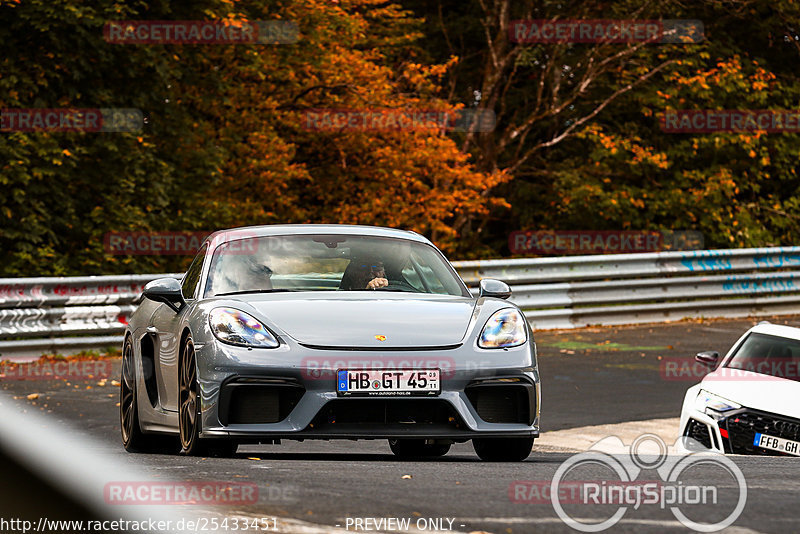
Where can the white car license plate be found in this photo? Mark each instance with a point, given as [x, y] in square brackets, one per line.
[777, 444]
[383, 382]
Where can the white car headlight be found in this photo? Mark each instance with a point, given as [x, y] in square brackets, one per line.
[714, 405]
[506, 328]
[238, 328]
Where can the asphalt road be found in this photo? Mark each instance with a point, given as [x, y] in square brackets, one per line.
[589, 377]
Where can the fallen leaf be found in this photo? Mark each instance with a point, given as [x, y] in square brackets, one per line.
[406, 476]
[33, 396]
[115, 382]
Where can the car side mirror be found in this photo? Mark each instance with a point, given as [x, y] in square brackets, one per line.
[709, 358]
[494, 288]
[166, 290]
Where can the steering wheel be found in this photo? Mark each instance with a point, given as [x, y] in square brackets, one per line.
[398, 285]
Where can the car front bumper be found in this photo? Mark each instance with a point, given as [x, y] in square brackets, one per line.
[734, 431]
[266, 394]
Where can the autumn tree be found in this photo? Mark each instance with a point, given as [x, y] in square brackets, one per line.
[578, 123]
[224, 142]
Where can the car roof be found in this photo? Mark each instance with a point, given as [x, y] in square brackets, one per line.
[777, 330]
[231, 234]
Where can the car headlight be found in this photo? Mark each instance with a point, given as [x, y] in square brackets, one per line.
[505, 328]
[238, 328]
[714, 405]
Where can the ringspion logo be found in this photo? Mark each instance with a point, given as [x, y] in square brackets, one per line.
[588, 503]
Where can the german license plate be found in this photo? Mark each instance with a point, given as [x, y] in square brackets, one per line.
[384, 382]
[777, 444]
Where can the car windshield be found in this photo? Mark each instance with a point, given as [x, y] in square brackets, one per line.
[768, 355]
[330, 263]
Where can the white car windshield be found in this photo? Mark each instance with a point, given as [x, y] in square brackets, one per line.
[329, 263]
[768, 355]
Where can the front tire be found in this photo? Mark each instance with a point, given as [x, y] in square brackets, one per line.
[189, 411]
[502, 449]
[417, 448]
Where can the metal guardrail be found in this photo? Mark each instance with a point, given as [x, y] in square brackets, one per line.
[646, 288]
[46, 309]
[563, 292]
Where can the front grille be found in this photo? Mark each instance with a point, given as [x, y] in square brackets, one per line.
[254, 401]
[417, 412]
[699, 432]
[498, 401]
[742, 428]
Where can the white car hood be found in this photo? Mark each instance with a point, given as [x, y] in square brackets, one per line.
[756, 391]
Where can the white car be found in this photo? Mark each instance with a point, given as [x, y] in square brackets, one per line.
[748, 403]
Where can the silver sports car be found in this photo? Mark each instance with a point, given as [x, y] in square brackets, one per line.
[327, 332]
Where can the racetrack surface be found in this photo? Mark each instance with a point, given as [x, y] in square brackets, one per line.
[590, 378]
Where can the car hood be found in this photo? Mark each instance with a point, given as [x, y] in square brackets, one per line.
[756, 391]
[358, 320]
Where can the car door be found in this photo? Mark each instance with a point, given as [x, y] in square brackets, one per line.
[165, 326]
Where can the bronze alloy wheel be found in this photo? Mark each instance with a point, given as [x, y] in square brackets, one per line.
[189, 411]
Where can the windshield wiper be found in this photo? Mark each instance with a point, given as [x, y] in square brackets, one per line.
[396, 289]
[244, 291]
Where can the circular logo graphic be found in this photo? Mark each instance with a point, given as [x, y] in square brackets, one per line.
[648, 452]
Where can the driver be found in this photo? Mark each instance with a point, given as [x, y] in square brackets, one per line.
[374, 274]
[365, 273]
